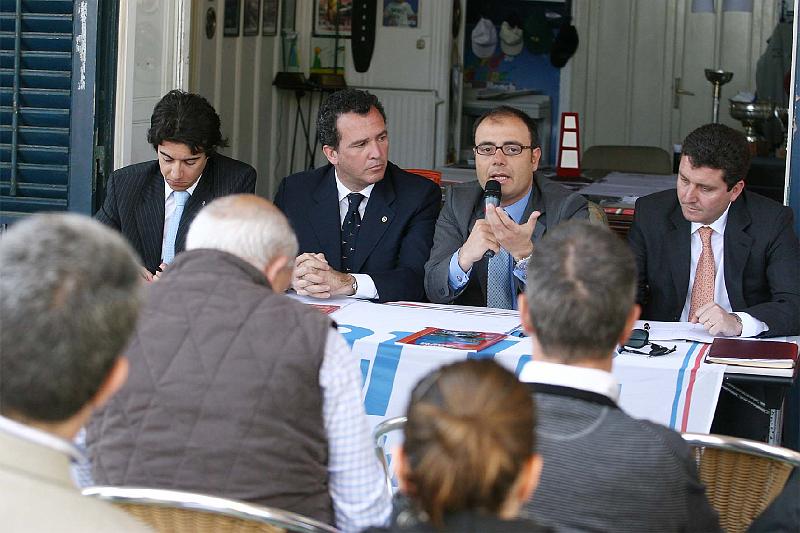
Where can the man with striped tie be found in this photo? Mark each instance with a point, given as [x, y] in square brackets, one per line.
[364, 225]
[153, 203]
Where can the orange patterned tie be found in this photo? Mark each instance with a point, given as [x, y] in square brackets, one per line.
[703, 287]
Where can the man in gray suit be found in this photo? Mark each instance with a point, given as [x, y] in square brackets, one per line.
[603, 470]
[68, 301]
[476, 253]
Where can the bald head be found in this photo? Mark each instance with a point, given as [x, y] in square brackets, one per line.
[246, 226]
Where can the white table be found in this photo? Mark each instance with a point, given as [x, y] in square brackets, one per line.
[677, 390]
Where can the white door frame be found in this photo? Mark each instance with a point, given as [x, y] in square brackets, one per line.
[173, 72]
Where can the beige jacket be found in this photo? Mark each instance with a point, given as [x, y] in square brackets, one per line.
[38, 495]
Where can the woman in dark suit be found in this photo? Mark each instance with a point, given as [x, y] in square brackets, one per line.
[468, 460]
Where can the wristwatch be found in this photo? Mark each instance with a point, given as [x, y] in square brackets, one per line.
[739, 320]
[355, 285]
[522, 264]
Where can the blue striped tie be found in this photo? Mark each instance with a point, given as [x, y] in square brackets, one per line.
[168, 253]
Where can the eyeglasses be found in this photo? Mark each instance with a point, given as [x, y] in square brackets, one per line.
[639, 339]
[508, 149]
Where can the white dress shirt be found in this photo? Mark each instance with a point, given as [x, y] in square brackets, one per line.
[574, 377]
[169, 205]
[366, 286]
[356, 481]
[751, 326]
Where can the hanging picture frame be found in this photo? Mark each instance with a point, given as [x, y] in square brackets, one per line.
[326, 13]
[252, 17]
[400, 13]
[231, 20]
[269, 18]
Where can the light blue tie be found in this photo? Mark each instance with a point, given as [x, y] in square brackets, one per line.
[498, 285]
[168, 253]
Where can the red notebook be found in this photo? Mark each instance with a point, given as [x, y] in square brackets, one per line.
[450, 338]
[764, 354]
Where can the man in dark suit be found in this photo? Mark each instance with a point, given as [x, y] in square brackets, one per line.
[603, 470]
[364, 226]
[459, 270]
[752, 284]
[153, 203]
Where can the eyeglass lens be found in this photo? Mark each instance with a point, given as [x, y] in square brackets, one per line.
[490, 149]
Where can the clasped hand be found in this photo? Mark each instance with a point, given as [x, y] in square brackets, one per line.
[497, 230]
[313, 276]
[717, 321]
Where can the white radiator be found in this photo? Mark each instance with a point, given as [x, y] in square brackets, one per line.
[411, 121]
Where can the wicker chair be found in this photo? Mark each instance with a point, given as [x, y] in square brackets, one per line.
[388, 425]
[741, 476]
[185, 512]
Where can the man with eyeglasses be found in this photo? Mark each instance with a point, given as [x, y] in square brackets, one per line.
[480, 254]
[364, 225]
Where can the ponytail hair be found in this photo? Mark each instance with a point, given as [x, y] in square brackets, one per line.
[470, 431]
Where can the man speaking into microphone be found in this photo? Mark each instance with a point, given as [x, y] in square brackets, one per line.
[481, 246]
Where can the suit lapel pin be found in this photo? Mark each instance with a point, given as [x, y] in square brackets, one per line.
[203, 204]
[384, 219]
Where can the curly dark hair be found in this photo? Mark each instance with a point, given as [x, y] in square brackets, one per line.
[719, 147]
[506, 111]
[188, 119]
[336, 105]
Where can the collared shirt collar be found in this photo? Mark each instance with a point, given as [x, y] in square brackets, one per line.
[40, 437]
[718, 225]
[517, 209]
[574, 377]
[344, 191]
[168, 190]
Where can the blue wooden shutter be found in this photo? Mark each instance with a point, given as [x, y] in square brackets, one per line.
[47, 128]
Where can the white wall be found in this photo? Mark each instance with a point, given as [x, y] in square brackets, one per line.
[235, 74]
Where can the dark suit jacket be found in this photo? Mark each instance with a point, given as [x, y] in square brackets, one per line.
[761, 260]
[463, 205]
[606, 471]
[396, 232]
[134, 202]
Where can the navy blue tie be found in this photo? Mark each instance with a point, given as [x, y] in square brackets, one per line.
[352, 221]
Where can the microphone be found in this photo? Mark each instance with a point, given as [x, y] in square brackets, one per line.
[491, 196]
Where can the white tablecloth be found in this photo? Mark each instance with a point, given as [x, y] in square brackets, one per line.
[677, 390]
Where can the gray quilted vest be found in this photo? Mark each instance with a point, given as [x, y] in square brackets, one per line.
[223, 394]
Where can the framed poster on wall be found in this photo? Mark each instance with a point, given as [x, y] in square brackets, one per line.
[251, 17]
[269, 19]
[231, 22]
[332, 14]
[400, 13]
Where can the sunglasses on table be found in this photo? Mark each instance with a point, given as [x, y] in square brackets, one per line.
[639, 339]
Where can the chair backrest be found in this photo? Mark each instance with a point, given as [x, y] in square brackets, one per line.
[741, 476]
[186, 512]
[642, 159]
[433, 175]
[379, 433]
[597, 214]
